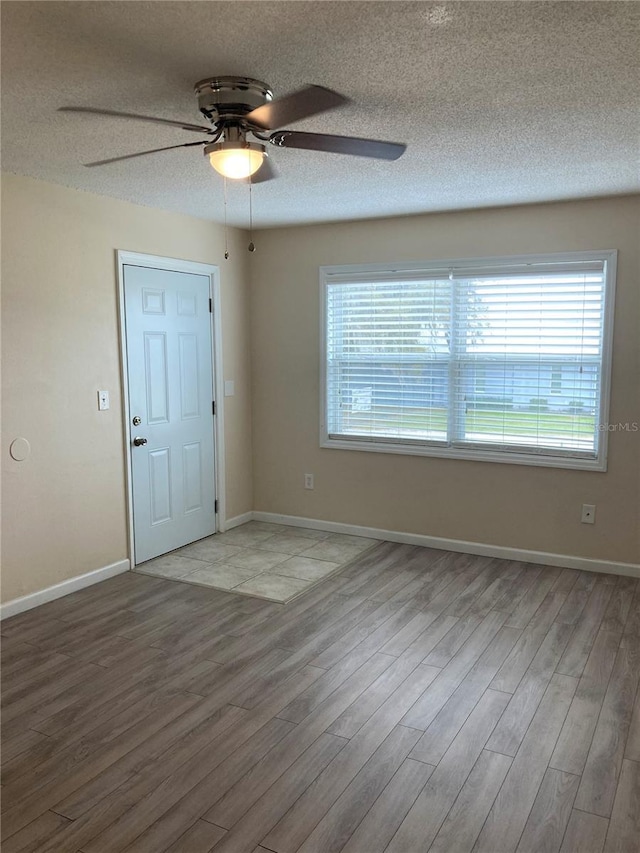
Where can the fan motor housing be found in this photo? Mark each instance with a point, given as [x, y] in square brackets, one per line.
[231, 97]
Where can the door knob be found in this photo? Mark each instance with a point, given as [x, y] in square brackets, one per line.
[139, 442]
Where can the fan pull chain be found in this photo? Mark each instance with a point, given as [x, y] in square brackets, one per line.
[251, 246]
[226, 241]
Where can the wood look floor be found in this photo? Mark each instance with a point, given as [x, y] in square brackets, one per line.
[418, 701]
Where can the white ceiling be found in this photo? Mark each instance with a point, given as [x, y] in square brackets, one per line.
[499, 102]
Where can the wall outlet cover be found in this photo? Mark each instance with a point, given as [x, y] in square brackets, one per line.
[588, 514]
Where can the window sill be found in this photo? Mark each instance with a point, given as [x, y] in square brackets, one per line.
[474, 454]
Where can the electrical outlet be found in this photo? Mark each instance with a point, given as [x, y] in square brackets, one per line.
[308, 481]
[588, 514]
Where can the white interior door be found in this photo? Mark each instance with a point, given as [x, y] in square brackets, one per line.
[170, 378]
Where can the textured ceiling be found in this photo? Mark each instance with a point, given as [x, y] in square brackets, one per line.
[499, 102]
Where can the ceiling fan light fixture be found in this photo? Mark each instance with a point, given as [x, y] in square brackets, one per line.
[235, 159]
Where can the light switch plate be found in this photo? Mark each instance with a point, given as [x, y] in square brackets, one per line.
[103, 401]
[229, 388]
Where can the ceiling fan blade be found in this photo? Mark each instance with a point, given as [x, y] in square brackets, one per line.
[338, 144]
[144, 153]
[266, 172]
[298, 105]
[197, 128]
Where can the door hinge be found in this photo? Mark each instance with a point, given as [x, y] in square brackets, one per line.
[215, 506]
[213, 407]
[210, 306]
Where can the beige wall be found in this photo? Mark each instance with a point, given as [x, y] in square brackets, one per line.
[502, 504]
[64, 509]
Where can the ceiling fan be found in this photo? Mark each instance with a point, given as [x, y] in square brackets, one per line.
[241, 108]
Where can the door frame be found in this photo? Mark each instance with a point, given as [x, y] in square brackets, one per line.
[212, 272]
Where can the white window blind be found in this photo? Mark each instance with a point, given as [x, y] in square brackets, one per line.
[503, 360]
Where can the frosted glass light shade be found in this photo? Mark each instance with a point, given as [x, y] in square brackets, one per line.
[236, 161]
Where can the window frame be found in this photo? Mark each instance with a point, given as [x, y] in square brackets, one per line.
[449, 451]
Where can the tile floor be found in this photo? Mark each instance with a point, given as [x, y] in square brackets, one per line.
[264, 560]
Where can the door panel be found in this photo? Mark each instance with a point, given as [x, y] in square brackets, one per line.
[192, 464]
[160, 485]
[169, 366]
[156, 379]
[189, 391]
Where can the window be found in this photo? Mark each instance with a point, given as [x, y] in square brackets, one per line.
[501, 359]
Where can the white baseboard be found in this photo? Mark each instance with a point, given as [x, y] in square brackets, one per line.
[18, 605]
[237, 520]
[567, 561]
[34, 599]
